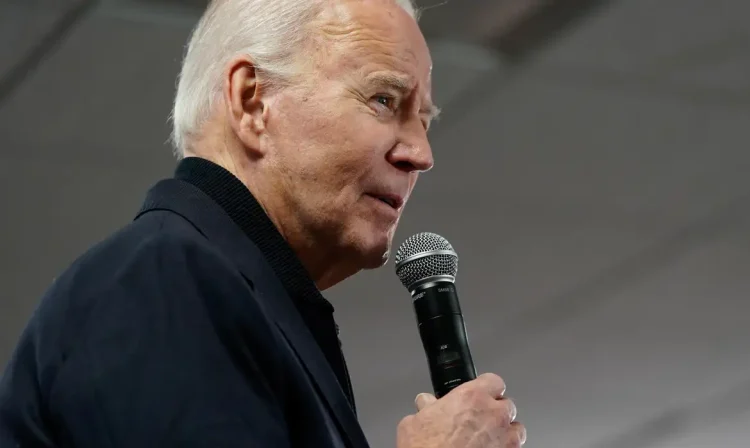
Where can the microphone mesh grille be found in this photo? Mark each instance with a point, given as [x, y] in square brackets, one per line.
[429, 265]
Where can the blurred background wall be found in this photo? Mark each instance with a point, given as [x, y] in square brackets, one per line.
[593, 173]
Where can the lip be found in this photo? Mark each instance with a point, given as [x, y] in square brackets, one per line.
[394, 201]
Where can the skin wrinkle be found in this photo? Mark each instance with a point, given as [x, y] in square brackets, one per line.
[363, 40]
[318, 153]
[325, 160]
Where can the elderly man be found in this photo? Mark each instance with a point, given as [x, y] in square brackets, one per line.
[302, 129]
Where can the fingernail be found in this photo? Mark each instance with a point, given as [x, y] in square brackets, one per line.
[423, 400]
[513, 410]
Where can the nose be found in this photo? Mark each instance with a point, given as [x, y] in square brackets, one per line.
[413, 151]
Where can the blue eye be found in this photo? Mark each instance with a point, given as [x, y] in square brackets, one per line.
[386, 101]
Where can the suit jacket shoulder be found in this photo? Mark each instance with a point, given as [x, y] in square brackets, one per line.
[172, 332]
[151, 336]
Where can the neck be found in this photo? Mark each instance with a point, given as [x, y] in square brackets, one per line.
[322, 264]
[321, 260]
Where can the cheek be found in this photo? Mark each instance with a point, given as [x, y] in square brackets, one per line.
[348, 146]
[332, 145]
[368, 137]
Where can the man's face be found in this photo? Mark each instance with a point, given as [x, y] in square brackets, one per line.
[347, 146]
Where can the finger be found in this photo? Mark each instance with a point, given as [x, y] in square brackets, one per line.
[520, 432]
[424, 400]
[505, 411]
[511, 408]
[492, 384]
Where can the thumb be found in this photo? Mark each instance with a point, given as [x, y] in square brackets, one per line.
[424, 400]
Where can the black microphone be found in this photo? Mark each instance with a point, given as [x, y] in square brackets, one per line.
[427, 266]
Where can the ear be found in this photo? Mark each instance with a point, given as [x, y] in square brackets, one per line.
[245, 103]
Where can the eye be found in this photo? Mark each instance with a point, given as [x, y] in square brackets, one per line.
[387, 101]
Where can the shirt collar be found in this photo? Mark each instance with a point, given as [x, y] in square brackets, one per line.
[237, 200]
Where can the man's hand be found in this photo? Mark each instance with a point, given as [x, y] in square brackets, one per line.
[473, 415]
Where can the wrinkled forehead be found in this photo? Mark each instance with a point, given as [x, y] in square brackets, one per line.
[355, 32]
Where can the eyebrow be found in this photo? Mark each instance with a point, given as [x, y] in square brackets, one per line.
[404, 84]
[432, 112]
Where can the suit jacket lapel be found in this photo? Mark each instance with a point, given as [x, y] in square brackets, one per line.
[188, 201]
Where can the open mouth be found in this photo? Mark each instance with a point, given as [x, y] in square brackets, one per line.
[388, 201]
[393, 202]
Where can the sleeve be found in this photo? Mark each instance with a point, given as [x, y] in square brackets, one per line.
[172, 355]
[22, 419]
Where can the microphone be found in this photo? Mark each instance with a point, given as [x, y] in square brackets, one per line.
[427, 266]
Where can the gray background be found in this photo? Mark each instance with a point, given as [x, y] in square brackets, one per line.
[595, 184]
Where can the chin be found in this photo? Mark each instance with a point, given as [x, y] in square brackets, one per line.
[368, 241]
[376, 261]
[374, 250]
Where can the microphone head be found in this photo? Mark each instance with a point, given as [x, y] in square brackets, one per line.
[425, 257]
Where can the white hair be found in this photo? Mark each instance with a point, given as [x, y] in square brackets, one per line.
[271, 32]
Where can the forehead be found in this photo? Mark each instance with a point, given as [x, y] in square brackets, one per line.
[360, 33]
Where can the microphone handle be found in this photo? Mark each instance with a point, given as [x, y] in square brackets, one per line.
[443, 334]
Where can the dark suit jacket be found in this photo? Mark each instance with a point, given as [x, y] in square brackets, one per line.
[174, 332]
